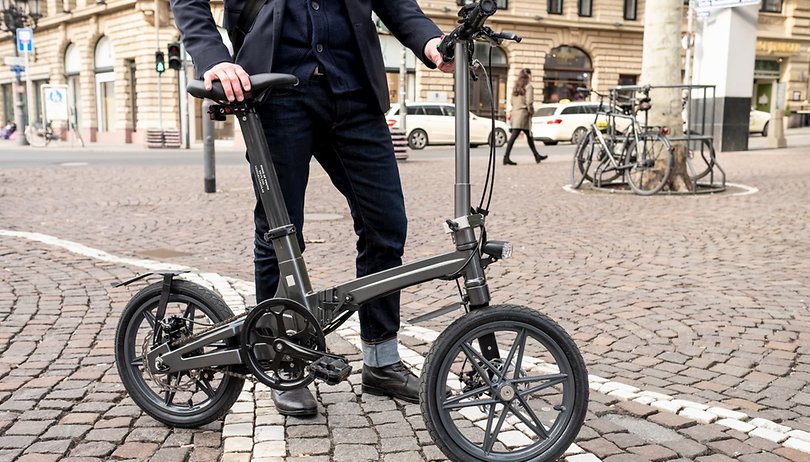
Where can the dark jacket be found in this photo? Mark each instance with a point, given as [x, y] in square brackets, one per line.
[199, 32]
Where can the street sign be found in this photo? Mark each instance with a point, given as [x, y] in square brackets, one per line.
[56, 102]
[14, 61]
[25, 40]
[703, 5]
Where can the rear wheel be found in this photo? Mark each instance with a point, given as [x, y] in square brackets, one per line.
[583, 157]
[418, 139]
[650, 164]
[184, 399]
[506, 384]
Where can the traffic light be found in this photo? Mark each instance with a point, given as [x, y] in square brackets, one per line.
[160, 63]
[175, 62]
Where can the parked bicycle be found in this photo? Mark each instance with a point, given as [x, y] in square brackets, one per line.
[502, 383]
[39, 135]
[640, 155]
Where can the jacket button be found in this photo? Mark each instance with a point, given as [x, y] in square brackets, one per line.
[316, 6]
[319, 48]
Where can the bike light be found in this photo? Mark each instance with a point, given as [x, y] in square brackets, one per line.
[664, 130]
[498, 249]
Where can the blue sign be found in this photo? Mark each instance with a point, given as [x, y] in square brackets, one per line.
[25, 40]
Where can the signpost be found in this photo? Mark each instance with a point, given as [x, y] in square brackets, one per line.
[25, 45]
[55, 102]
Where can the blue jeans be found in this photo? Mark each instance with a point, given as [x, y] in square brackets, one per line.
[349, 137]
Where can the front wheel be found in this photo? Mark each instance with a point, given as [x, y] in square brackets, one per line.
[506, 384]
[583, 157]
[418, 139]
[184, 399]
[37, 135]
[649, 164]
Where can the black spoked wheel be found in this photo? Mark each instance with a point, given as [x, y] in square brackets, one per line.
[583, 157]
[184, 399]
[504, 384]
[650, 164]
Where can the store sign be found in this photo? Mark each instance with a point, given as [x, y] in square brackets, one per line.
[703, 5]
[55, 100]
[773, 46]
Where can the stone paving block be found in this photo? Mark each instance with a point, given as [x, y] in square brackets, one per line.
[398, 444]
[142, 451]
[601, 447]
[38, 458]
[654, 453]
[170, 455]
[50, 447]
[731, 447]
[273, 449]
[93, 449]
[354, 453]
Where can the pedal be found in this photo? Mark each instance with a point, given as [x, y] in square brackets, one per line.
[330, 369]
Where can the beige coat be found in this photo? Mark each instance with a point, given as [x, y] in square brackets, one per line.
[523, 109]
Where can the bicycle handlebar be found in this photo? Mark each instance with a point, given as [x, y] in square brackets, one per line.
[473, 16]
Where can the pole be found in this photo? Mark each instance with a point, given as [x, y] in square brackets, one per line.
[462, 93]
[687, 79]
[403, 82]
[19, 111]
[29, 91]
[184, 119]
[208, 149]
[160, 96]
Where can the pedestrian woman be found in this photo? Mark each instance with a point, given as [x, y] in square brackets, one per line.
[522, 111]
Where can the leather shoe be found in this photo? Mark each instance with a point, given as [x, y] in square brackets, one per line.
[394, 380]
[298, 403]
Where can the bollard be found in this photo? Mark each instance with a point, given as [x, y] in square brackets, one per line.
[208, 149]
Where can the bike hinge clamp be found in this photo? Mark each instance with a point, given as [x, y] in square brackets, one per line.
[219, 112]
[281, 231]
[470, 221]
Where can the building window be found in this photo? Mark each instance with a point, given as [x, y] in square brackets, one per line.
[631, 10]
[566, 69]
[8, 103]
[555, 6]
[771, 6]
[585, 8]
[73, 67]
[105, 84]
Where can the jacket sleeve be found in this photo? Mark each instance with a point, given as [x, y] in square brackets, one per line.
[200, 34]
[409, 25]
[530, 99]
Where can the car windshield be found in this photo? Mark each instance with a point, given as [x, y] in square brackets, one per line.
[545, 111]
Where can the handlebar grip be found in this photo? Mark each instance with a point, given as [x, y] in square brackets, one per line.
[508, 36]
[476, 17]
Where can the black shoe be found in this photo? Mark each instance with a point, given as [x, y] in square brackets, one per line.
[508, 161]
[539, 157]
[298, 403]
[394, 380]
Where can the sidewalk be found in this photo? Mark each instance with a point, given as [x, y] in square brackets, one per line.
[691, 312]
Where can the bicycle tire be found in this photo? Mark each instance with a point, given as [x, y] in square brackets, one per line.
[563, 403]
[583, 156]
[649, 172]
[36, 135]
[128, 346]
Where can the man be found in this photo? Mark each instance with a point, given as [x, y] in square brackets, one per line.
[335, 114]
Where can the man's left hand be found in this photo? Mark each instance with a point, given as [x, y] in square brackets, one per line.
[432, 53]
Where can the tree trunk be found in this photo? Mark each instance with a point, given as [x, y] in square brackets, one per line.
[661, 65]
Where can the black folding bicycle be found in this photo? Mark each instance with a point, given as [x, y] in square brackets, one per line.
[501, 383]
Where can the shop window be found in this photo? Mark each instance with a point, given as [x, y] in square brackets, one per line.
[585, 8]
[628, 79]
[105, 84]
[73, 66]
[631, 10]
[566, 69]
[555, 6]
[771, 6]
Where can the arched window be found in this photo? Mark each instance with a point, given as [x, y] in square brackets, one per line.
[104, 65]
[566, 68]
[73, 67]
[480, 101]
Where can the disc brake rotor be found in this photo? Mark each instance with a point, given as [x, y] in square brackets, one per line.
[277, 320]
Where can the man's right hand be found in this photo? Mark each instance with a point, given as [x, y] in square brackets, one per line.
[235, 81]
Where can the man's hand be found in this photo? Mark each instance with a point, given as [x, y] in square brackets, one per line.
[233, 78]
[432, 53]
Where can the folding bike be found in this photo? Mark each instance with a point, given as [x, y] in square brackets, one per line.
[501, 383]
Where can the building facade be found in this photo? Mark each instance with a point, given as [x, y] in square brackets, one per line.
[105, 52]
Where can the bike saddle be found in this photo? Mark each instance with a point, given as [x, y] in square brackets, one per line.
[259, 84]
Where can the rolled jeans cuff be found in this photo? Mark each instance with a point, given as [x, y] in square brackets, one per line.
[381, 354]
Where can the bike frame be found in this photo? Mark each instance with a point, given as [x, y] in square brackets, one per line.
[334, 302]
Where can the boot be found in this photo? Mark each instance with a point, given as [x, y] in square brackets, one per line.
[508, 161]
[539, 157]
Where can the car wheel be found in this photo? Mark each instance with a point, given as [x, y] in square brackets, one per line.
[500, 137]
[552, 143]
[765, 129]
[417, 139]
[578, 134]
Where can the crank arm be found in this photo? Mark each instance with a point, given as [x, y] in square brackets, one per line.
[163, 360]
[284, 346]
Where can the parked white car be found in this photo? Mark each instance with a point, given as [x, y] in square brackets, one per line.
[557, 122]
[435, 123]
[759, 122]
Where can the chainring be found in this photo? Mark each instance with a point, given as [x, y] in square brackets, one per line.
[280, 319]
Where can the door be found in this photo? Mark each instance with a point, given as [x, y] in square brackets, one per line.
[105, 101]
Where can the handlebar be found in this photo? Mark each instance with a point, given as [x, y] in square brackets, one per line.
[471, 25]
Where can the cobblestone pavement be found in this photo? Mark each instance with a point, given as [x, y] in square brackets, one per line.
[691, 312]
